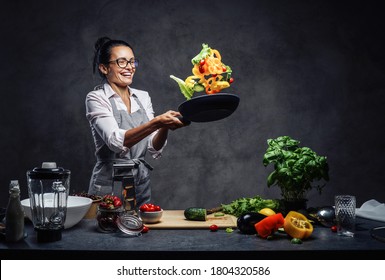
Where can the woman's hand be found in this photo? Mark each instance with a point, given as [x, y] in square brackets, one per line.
[165, 122]
[170, 120]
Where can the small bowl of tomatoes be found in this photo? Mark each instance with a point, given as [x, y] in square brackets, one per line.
[150, 213]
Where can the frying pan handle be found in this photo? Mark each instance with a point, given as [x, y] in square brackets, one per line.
[184, 121]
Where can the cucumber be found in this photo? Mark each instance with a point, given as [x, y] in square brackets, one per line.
[198, 87]
[195, 214]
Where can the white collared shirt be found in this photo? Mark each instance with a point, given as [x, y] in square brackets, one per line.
[105, 129]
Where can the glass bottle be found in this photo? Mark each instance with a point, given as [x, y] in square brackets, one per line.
[14, 227]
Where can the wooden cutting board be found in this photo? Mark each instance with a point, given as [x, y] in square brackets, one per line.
[175, 219]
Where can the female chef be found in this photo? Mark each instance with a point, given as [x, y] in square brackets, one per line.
[122, 120]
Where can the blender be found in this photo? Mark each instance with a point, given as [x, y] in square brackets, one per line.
[48, 189]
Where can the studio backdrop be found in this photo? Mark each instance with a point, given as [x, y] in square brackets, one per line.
[311, 70]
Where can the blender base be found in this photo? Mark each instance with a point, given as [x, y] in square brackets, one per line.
[48, 235]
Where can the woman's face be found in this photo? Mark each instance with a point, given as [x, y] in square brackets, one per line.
[122, 75]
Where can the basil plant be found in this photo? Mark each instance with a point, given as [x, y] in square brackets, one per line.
[295, 168]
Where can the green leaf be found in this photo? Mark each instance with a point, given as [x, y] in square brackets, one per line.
[186, 91]
[205, 52]
[272, 178]
[270, 157]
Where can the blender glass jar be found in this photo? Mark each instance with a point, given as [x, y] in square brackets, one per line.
[48, 189]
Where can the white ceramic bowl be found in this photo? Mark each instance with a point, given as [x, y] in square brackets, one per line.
[77, 207]
[150, 217]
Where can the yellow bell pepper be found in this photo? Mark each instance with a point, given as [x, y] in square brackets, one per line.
[297, 225]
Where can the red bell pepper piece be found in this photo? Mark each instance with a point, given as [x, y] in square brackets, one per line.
[269, 225]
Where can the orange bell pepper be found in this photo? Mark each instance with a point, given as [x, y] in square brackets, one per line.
[269, 225]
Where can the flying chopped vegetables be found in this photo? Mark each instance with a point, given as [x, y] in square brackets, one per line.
[210, 74]
[242, 206]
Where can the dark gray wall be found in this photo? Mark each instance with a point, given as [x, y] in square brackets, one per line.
[313, 70]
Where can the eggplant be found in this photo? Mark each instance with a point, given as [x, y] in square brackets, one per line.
[246, 222]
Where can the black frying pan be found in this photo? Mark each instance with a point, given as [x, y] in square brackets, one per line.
[208, 108]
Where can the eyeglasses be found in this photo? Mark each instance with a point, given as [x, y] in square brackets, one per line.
[122, 62]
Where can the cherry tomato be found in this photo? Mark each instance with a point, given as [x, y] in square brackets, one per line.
[202, 62]
[213, 227]
[231, 80]
[333, 228]
[224, 69]
[145, 229]
[149, 207]
[143, 208]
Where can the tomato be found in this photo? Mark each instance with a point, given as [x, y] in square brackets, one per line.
[149, 207]
[231, 80]
[224, 68]
[213, 227]
[145, 229]
[333, 228]
[202, 62]
[143, 208]
[201, 70]
[117, 203]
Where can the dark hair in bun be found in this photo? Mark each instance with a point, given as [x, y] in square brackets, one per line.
[103, 48]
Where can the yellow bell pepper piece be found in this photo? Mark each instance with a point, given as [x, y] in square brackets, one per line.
[297, 225]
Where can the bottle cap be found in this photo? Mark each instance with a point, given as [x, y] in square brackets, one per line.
[14, 184]
[49, 165]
